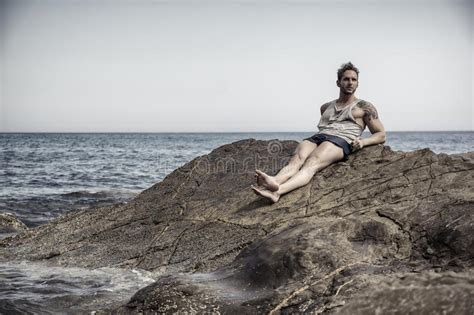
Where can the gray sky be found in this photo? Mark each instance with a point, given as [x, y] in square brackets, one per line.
[192, 66]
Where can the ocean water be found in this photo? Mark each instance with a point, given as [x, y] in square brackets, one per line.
[35, 288]
[45, 175]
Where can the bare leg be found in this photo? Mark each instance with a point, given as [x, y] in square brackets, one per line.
[325, 154]
[272, 183]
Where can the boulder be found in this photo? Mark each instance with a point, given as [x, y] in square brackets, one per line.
[9, 223]
[382, 226]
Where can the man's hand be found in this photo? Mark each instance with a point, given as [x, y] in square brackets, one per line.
[357, 144]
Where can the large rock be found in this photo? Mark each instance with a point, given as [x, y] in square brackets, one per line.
[382, 226]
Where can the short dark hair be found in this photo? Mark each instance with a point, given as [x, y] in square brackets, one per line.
[344, 67]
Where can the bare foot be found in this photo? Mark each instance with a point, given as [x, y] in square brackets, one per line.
[266, 181]
[273, 196]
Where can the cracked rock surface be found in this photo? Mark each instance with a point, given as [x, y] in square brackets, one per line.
[384, 232]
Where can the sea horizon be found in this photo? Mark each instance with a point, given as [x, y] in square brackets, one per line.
[203, 132]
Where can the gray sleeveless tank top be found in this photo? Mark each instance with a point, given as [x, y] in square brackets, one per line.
[340, 123]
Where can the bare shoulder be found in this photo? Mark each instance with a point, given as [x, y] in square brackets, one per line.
[366, 110]
[324, 107]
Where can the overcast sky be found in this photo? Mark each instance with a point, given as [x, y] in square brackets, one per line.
[210, 66]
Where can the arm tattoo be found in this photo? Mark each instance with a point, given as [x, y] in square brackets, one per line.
[369, 110]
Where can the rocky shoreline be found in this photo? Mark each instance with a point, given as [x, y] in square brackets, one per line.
[387, 231]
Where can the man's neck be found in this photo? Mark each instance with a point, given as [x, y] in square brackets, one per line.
[346, 98]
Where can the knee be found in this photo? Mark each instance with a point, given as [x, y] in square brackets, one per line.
[313, 163]
[297, 160]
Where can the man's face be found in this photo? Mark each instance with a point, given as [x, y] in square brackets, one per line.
[349, 82]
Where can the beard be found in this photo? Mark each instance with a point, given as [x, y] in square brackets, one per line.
[348, 92]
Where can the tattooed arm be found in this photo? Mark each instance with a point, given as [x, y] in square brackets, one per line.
[324, 107]
[368, 114]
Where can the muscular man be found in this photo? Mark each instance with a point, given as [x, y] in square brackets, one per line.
[341, 125]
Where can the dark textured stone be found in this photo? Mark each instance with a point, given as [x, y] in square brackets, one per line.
[9, 223]
[426, 293]
[383, 227]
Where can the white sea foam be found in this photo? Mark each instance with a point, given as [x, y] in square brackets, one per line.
[52, 288]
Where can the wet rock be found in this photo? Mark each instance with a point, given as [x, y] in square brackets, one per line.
[350, 235]
[9, 223]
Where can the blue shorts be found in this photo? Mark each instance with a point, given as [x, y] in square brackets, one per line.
[318, 138]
